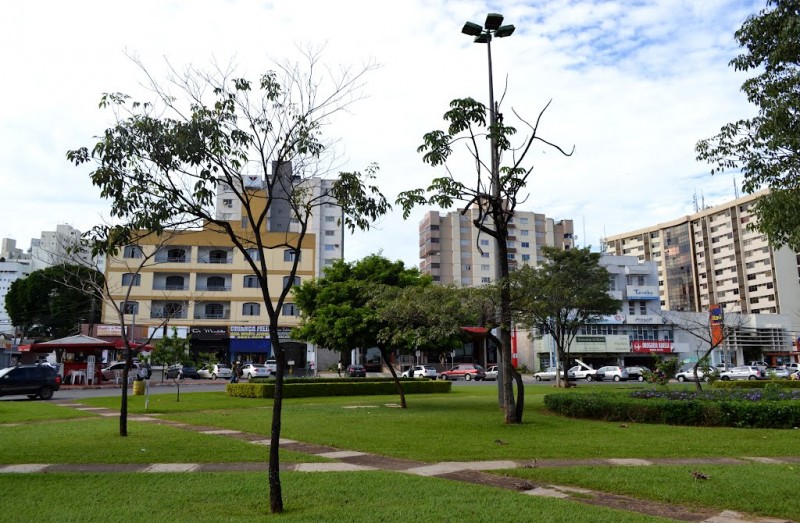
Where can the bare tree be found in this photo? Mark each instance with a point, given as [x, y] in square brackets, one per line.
[259, 144]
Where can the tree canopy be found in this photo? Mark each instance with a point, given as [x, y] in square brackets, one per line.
[53, 302]
[766, 147]
[565, 292]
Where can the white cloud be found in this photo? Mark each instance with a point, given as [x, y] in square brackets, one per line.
[634, 85]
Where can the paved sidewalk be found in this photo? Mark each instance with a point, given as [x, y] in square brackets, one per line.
[468, 472]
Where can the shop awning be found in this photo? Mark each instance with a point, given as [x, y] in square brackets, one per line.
[79, 343]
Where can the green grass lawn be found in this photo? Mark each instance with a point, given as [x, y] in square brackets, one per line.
[765, 490]
[314, 497]
[465, 424]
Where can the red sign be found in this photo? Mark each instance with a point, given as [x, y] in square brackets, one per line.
[651, 346]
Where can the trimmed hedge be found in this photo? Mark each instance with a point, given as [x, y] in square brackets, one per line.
[726, 413]
[756, 384]
[311, 388]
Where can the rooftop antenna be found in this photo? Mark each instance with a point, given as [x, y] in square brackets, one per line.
[735, 188]
[694, 201]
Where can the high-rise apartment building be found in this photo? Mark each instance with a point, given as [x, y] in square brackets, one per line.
[453, 250]
[713, 257]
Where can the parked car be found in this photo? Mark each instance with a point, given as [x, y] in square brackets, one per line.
[468, 371]
[214, 371]
[792, 367]
[688, 375]
[33, 380]
[420, 371]
[255, 370]
[110, 372]
[780, 373]
[581, 372]
[491, 373]
[356, 371]
[181, 371]
[272, 366]
[547, 374]
[611, 372]
[763, 365]
[637, 372]
[746, 372]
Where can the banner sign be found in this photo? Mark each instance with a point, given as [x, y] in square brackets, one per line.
[249, 332]
[651, 346]
[208, 333]
[716, 320]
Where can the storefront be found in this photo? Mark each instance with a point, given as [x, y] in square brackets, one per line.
[212, 339]
[250, 343]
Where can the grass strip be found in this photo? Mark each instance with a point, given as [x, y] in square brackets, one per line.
[331, 497]
[26, 410]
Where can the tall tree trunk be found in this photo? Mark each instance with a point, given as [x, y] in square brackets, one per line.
[397, 384]
[275, 493]
[520, 395]
[123, 409]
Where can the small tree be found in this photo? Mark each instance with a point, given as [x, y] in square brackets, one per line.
[494, 194]
[337, 311]
[164, 163]
[566, 292]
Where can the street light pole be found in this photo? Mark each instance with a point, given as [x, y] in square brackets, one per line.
[491, 28]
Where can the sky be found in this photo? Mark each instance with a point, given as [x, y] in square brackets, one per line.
[632, 85]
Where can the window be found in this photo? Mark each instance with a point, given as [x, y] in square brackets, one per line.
[215, 283]
[330, 233]
[289, 255]
[129, 307]
[525, 245]
[174, 283]
[218, 256]
[296, 281]
[330, 247]
[250, 282]
[631, 308]
[176, 255]
[329, 261]
[466, 267]
[251, 309]
[526, 257]
[132, 251]
[215, 311]
[485, 267]
[485, 279]
[523, 221]
[523, 232]
[484, 242]
[131, 279]
[464, 243]
[484, 255]
[642, 307]
[290, 309]
[244, 223]
[254, 254]
[227, 203]
[330, 219]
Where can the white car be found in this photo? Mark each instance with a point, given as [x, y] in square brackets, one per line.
[547, 374]
[579, 372]
[742, 373]
[611, 372]
[272, 366]
[255, 370]
[491, 373]
[219, 370]
[420, 372]
[688, 375]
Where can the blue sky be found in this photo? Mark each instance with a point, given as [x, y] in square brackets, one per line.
[634, 85]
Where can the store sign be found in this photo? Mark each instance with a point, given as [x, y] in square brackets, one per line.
[636, 292]
[616, 343]
[249, 332]
[611, 319]
[651, 346]
[208, 333]
[108, 330]
[648, 319]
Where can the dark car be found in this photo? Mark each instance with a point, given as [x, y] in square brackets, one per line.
[33, 380]
[468, 371]
[182, 371]
[356, 371]
[637, 372]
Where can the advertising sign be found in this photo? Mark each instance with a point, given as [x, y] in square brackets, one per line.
[108, 330]
[249, 332]
[716, 318]
[637, 292]
[661, 346]
[648, 319]
[208, 333]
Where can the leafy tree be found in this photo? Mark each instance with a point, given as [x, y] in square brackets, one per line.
[339, 310]
[53, 302]
[495, 194]
[164, 163]
[168, 350]
[567, 291]
[766, 147]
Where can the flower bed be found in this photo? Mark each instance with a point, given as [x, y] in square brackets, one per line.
[753, 408]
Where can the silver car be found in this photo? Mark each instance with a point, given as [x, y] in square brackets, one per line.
[220, 370]
[255, 370]
[742, 373]
[547, 374]
[612, 372]
[421, 372]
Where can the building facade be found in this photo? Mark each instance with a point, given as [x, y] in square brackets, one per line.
[713, 257]
[452, 250]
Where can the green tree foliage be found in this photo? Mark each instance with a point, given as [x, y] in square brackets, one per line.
[53, 302]
[766, 147]
[165, 161]
[568, 290]
[494, 193]
[340, 310]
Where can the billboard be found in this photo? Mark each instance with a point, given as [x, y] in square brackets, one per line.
[716, 319]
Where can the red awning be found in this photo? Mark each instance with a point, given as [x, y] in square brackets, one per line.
[119, 343]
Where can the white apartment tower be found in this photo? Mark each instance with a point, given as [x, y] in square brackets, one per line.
[713, 257]
[452, 250]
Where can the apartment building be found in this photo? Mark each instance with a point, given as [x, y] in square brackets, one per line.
[713, 257]
[452, 250]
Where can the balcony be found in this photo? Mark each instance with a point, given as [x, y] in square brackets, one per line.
[213, 288]
[213, 259]
[161, 286]
[225, 315]
[163, 314]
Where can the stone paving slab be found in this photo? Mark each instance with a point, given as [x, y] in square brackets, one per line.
[221, 432]
[341, 454]
[455, 466]
[330, 467]
[768, 461]
[172, 467]
[23, 468]
[630, 462]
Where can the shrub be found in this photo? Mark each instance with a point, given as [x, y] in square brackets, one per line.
[756, 384]
[311, 388]
[754, 409]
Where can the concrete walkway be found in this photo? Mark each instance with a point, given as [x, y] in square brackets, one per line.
[468, 472]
